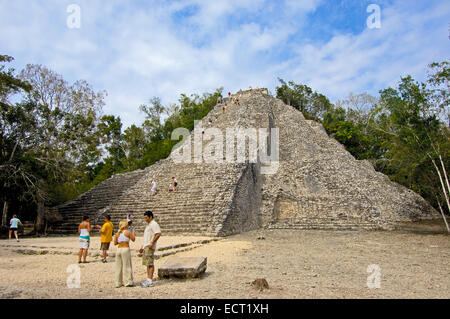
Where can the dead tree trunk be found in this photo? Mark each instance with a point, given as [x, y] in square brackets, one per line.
[5, 214]
[443, 216]
[445, 174]
[40, 217]
[443, 189]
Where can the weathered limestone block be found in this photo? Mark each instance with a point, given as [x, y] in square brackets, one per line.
[286, 208]
[183, 267]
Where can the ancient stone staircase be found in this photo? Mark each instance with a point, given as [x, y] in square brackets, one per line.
[197, 207]
[93, 201]
[324, 223]
[202, 204]
[207, 193]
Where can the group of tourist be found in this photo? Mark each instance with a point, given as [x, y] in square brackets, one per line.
[221, 102]
[125, 234]
[234, 100]
[172, 186]
[210, 122]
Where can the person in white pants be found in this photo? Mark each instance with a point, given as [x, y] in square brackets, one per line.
[123, 267]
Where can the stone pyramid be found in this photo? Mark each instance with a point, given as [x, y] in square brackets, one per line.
[315, 184]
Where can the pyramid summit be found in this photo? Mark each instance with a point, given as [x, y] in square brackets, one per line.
[297, 178]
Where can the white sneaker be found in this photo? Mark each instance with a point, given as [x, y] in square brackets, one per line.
[147, 283]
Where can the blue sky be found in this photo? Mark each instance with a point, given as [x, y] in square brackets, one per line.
[139, 49]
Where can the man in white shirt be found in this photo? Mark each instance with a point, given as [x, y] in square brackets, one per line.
[151, 235]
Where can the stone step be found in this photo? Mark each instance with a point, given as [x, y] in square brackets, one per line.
[158, 254]
[325, 226]
[176, 227]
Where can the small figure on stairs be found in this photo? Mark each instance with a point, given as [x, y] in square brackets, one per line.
[175, 183]
[153, 189]
[170, 187]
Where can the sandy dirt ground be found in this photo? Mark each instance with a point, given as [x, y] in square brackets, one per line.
[296, 264]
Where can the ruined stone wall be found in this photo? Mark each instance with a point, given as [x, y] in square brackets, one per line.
[245, 208]
[318, 178]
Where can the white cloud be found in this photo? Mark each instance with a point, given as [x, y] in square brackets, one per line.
[375, 58]
[137, 52]
[302, 6]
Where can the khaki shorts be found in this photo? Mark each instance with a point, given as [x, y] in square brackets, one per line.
[104, 246]
[148, 256]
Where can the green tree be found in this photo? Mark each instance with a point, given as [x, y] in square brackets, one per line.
[135, 144]
[110, 128]
[312, 104]
[53, 132]
[419, 145]
[153, 124]
[349, 123]
[14, 123]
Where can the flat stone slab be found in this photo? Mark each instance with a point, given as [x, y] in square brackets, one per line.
[183, 267]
